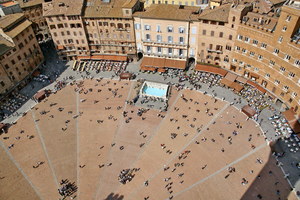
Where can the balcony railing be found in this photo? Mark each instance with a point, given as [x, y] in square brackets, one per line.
[214, 50]
[164, 43]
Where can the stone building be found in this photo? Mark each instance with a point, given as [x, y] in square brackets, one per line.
[201, 3]
[64, 19]
[162, 33]
[20, 54]
[267, 50]
[109, 27]
[33, 11]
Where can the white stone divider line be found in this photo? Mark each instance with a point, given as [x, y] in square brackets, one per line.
[77, 107]
[132, 83]
[44, 146]
[222, 169]
[197, 135]
[18, 166]
[158, 127]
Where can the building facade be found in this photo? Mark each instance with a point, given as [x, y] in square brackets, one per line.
[33, 11]
[20, 54]
[267, 50]
[201, 3]
[162, 31]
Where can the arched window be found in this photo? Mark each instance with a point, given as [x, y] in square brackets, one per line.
[233, 19]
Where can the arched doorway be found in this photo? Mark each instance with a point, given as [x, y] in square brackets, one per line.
[140, 55]
[191, 60]
[40, 37]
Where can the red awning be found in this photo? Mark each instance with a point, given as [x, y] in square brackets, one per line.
[226, 82]
[261, 89]
[84, 57]
[236, 86]
[97, 57]
[148, 69]
[153, 62]
[248, 111]
[177, 64]
[230, 76]
[211, 69]
[241, 79]
[60, 47]
[40, 95]
[290, 117]
[36, 73]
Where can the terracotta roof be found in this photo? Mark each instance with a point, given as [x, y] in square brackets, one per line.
[248, 111]
[220, 13]
[290, 117]
[167, 11]
[18, 29]
[5, 45]
[10, 19]
[30, 3]
[211, 69]
[63, 7]
[260, 20]
[100, 9]
[7, 4]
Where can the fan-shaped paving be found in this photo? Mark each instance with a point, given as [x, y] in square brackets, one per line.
[80, 136]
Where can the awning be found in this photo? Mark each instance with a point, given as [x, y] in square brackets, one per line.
[178, 64]
[153, 62]
[36, 73]
[211, 69]
[241, 79]
[109, 57]
[40, 95]
[271, 95]
[121, 58]
[226, 82]
[125, 76]
[60, 47]
[236, 86]
[230, 76]
[290, 117]
[261, 89]
[161, 70]
[254, 75]
[84, 57]
[248, 111]
[97, 57]
[148, 69]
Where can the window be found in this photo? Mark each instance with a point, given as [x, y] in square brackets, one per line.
[148, 49]
[70, 41]
[100, 23]
[148, 38]
[193, 40]
[272, 63]
[285, 87]
[230, 37]
[170, 39]
[105, 23]
[137, 26]
[128, 36]
[239, 37]
[170, 29]
[2, 83]
[68, 32]
[30, 37]
[186, 3]
[19, 57]
[263, 45]
[228, 47]
[212, 33]
[221, 34]
[276, 51]
[6, 66]
[294, 94]
[260, 57]
[72, 25]
[244, 50]
[226, 60]
[25, 41]
[25, 55]
[170, 51]
[267, 75]
[247, 39]
[114, 36]
[288, 18]
[147, 27]
[166, 2]
[210, 46]
[204, 32]
[255, 42]
[203, 44]
[181, 30]
[192, 52]
[256, 69]
[282, 69]
[284, 28]
[8, 53]
[159, 50]
[248, 65]
[194, 30]
[138, 35]
[66, 25]
[241, 63]
[277, 82]
[13, 62]
[252, 53]
[287, 57]
[237, 48]
[280, 39]
[121, 36]
[291, 75]
[107, 35]
[282, 94]
[297, 63]
[62, 33]
[21, 45]
[180, 52]
[181, 40]
[158, 28]
[234, 60]
[80, 33]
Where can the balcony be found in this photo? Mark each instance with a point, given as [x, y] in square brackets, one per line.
[165, 44]
[215, 50]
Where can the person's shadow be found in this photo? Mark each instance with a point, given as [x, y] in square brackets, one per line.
[113, 196]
